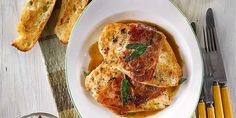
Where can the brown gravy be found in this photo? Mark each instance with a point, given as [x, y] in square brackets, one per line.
[95, 56]
[96, 59]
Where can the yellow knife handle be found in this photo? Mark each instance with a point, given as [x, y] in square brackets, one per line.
[210, 111]
[217, 100]
[226, 101]
[201, 107]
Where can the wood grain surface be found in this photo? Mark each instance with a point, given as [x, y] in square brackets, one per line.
[225, 21]
[24, 86]
[25, 77]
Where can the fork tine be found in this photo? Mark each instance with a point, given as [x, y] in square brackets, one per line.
[213, 37]
[209, 38]
[207, 49]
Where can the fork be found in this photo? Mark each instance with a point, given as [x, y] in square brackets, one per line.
[208, 74]
[206, 89]
[211, 51]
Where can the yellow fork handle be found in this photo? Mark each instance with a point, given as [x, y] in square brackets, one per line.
[217, 100]
[210, 111]
[201, 107]
[226, 101]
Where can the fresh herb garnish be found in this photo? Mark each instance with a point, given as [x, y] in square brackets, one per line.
[182, 80]
[135, 46]
[86, 74]
[124, 91]
[139, 49]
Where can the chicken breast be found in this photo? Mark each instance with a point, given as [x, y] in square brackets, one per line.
[141, 52]
[104, 83]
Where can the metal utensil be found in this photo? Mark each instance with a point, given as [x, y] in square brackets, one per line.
[208, 78]
[213, 49]
[204, 111]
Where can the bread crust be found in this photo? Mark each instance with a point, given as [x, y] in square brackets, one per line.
[69, 13]
[33, 20]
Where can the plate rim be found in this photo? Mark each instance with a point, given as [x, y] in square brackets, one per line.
[69, 45]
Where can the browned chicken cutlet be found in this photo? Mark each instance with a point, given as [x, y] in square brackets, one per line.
[157, 66]
[104, 83]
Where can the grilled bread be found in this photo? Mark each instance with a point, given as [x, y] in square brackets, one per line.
[33, 19]
[157, 66]
[104, 83]
[69, 13]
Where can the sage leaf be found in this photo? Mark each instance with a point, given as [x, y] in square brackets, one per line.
[124, 91]
[181, 81]
[135, 46]
[85, 74]
[139, 49]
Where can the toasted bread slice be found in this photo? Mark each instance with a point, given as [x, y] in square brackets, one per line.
[161, 66]
[69, 13]
[33, 19]
[104, 83]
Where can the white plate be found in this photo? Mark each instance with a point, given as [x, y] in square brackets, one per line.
[160, 12]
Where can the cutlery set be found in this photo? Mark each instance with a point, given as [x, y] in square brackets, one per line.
[215, 100]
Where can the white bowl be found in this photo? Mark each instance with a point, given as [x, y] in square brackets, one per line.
[161, 12]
